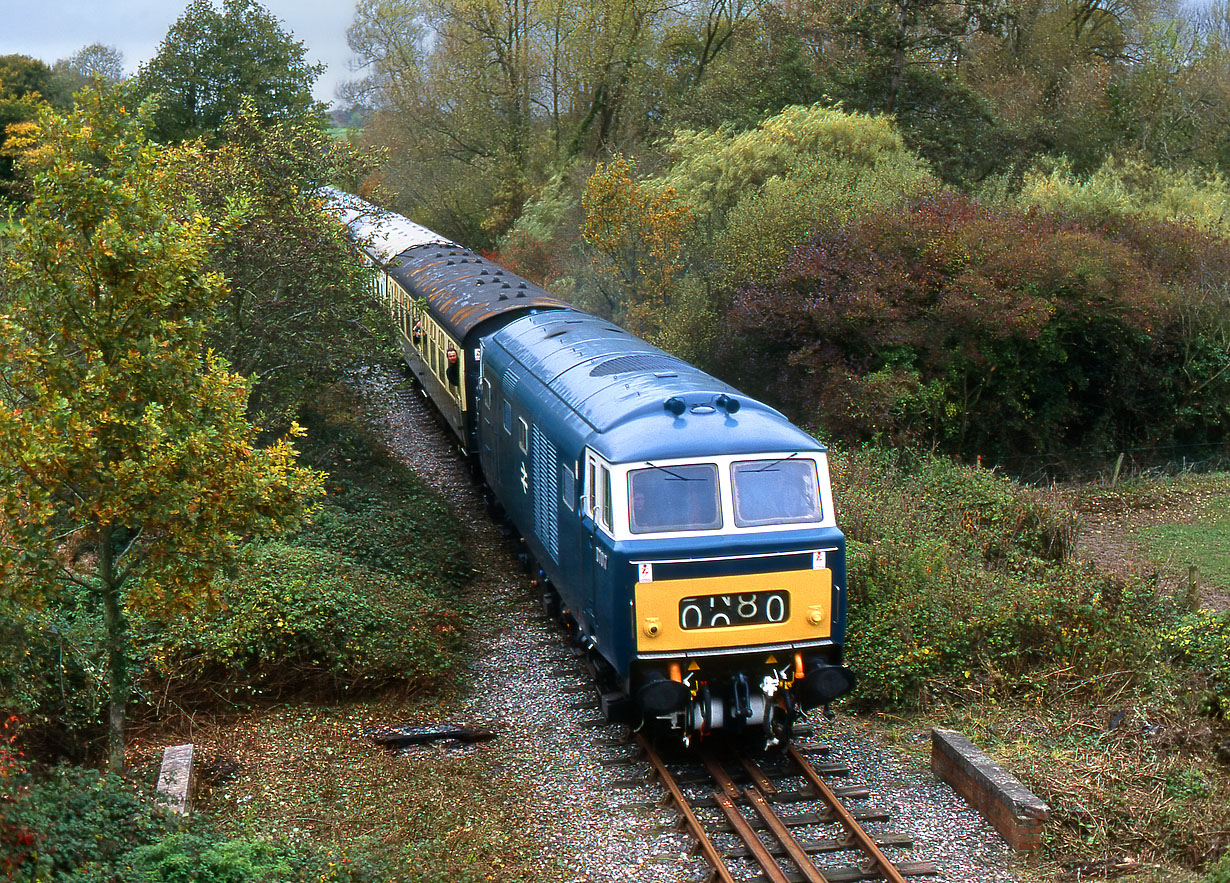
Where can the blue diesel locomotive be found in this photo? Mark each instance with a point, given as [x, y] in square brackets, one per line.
[684, 531]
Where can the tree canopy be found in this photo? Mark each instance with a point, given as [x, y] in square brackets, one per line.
[210, 60]
[297, 307]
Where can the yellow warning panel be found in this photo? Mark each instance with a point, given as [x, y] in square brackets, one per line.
[731, 611]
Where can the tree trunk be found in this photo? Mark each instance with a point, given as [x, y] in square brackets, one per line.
[117, 669]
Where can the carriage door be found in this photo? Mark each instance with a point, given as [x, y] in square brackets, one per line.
[596, 515]
[486, 427]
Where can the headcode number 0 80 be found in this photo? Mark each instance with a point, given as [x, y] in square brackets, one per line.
[715, 611]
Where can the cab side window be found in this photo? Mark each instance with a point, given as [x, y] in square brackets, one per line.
[591, 489]
[605, 498]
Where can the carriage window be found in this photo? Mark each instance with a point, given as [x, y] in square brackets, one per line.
[781, 491]
[674, 498]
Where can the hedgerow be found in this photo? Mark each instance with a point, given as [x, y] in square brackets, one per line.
[992, 332]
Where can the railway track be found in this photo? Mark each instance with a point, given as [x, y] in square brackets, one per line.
[777, 817]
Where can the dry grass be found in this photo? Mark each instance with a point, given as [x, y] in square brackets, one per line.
[305, 774]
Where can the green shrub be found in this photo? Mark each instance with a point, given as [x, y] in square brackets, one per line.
[296, 618]
[713, 169]
[75, 818]
[959, 576]
[52, 674]
[1000, 519]
[1220, 872]
[1120, 188]
[1201, 641]
[190, 858]
[766, 223]
[74, 824]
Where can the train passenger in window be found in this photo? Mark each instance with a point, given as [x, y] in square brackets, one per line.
[453, 371]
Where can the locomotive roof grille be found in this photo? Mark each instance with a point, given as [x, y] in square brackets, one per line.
[633, 362]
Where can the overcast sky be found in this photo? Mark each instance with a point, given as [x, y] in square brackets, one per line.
[54, 29]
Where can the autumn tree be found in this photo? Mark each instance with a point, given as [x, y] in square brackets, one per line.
[128, 474]
[209, 60]
[636, 232]
[25, 84]
[297, 307]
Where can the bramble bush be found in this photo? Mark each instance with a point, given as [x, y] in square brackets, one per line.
[959, 577]
[296, 619]
[51, 675]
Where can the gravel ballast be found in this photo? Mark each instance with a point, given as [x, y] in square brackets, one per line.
[594, 822]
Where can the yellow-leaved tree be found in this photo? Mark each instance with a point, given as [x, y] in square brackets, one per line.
[128, 472]
[636, 231]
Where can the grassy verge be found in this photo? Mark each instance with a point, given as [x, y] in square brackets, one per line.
[1104, 695]
[1204, 544]
[301, 774]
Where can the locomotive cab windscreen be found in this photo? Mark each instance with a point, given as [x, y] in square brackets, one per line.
[732, 493]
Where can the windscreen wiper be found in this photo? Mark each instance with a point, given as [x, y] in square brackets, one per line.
[674, 475]
[769, 466]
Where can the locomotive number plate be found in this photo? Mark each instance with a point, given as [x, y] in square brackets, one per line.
[715, 611]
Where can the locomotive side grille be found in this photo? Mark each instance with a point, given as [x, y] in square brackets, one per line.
[510, 380]
[545, 463]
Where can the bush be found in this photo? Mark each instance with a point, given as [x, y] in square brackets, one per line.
[959, 576]
[990, 333]
[766, 223]
[1130, 189]
[51, 673]
[377, 512]
[713, 169]
[70, 823]
[75, 818]
[1201, 641]
[1220, 872]
[294, 619]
